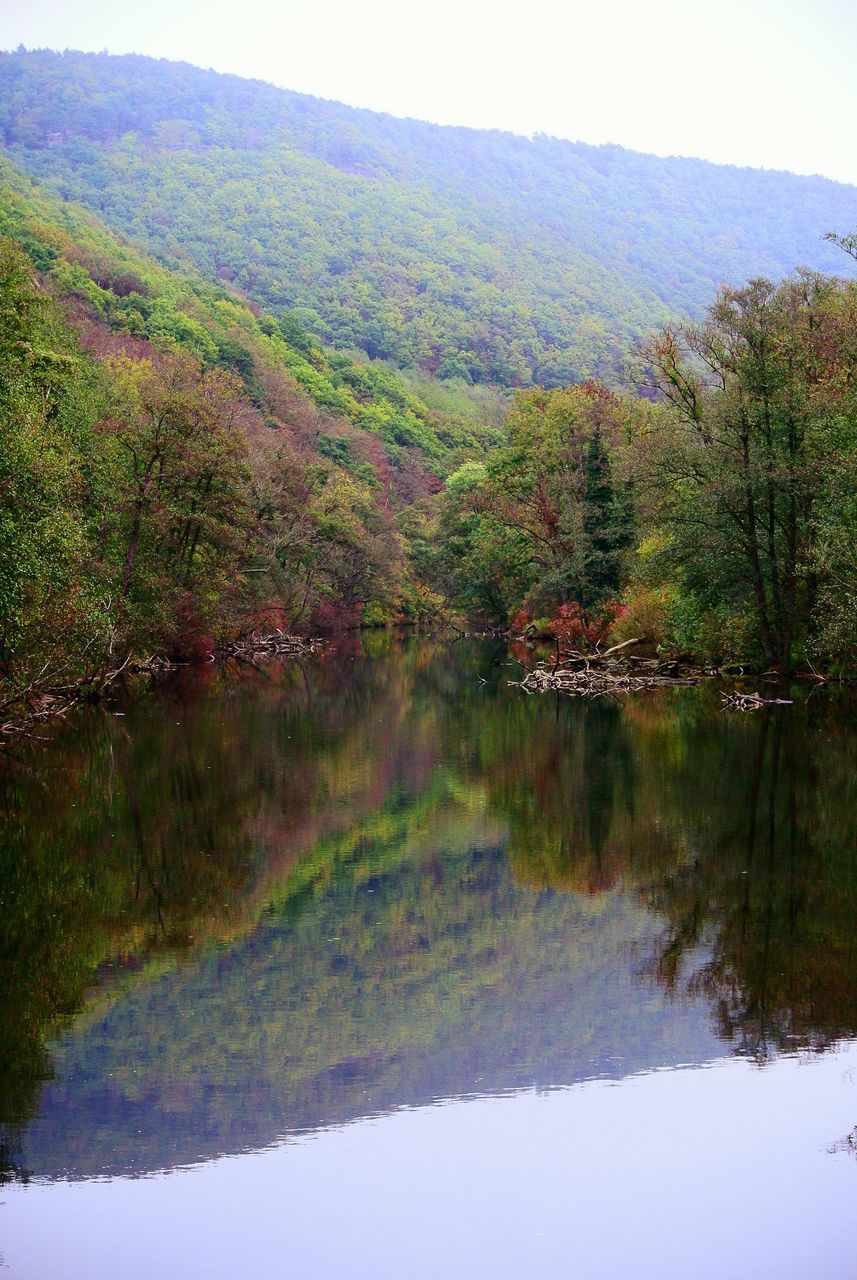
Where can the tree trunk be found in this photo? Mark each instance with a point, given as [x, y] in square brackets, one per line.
[133, 544]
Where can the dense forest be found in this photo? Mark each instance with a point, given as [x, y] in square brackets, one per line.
[177, 464]
[198, 446]
[470, 254]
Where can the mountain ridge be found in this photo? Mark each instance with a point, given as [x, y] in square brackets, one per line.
[535, 136]
[477, 255]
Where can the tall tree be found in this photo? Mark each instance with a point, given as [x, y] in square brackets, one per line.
[181, 516]
[763, 412]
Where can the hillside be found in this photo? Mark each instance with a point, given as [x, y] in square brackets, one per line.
[176, 462]
[469, 254]
[104, 281]
[257, 355]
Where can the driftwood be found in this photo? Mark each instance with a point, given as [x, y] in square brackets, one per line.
[269, 644]
[32, 714]
[595, 674]
[153, 665]
[44, 698]
[614, 672]
[751, 701]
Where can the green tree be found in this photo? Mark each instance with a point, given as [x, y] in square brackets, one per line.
[547, 505]
[763, 415]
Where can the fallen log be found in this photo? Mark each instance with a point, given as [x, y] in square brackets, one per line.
[617, 648]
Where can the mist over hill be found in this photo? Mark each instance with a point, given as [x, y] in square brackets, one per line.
[471, 254]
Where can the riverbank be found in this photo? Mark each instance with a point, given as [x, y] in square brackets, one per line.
[633, 666]
[45, 699]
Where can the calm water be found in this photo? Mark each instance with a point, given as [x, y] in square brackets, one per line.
[376, 967]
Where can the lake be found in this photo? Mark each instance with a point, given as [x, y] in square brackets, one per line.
[372, 965]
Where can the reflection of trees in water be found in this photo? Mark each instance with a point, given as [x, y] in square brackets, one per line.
[771, 889]
[144, 835]
[740, 834]
[159, 831]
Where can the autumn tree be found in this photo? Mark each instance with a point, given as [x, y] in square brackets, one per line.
[325, 547]
[180, 521]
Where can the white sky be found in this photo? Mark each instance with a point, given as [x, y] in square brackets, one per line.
[758, 82]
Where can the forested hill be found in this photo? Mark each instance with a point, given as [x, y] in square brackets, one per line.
[471, 254]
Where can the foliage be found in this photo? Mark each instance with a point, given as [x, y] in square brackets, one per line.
[48, 479]
[181, 518]
[477, 256]
[131, 294]
[177, 465]
[545, 516]
[182, 462]
[750, 473]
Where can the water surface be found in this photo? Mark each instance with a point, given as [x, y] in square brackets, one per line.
[373, 966]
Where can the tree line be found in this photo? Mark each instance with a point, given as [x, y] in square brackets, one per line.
[713, 513]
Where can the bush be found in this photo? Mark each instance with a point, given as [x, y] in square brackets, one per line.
[643, 615]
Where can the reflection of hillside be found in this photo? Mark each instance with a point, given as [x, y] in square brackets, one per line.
[154, 832]
[305, 895]
[436, 977]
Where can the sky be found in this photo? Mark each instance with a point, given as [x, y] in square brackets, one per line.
[769, 83]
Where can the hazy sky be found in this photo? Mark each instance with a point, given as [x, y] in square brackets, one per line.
[761, 82]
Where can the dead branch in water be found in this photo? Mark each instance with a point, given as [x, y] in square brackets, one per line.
[751, 701]
[594, 674]
[626, 644]
[44, 698]
[269, 643]
[613, 673]
[33, 713]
